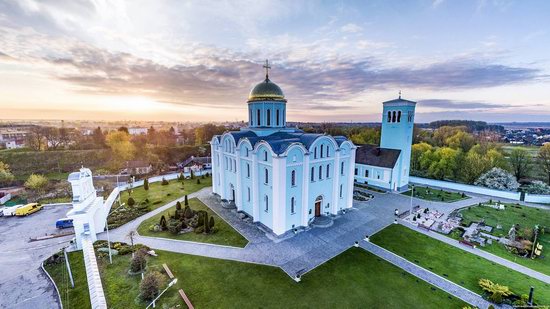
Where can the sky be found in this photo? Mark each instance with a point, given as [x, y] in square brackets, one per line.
[335, 60]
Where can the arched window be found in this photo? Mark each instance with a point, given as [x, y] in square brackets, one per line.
[393, 119]
[342, 168]
[312, 174]
[265, 155]
[277, 117]
[322, 149]
[367, 173]
[248, 170]
[328, 170]
[389, 116]
[250, 117]
[292, 205]
[328, 151]
[293, 178]
[315, 153]
[320, 172]
[259, 119]
[266, 199]
[266, 176]
[268, 117]
[341, 191]
[399, 116]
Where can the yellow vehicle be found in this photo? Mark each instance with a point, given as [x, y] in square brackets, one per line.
[28, 209]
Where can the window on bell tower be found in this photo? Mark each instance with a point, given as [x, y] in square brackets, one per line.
[269, 117]
[399, 116]
[277, 117]
[259, 121]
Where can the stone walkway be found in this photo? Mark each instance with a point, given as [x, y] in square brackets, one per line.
[428, 276]
[486, 255]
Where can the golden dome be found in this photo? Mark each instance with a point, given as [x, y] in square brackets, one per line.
[266, 91]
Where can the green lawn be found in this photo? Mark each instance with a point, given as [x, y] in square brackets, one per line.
[513, 214]
[438, 195]
[157, 195]
[225, 234]
[458, 266]
[79, 296]
[354, 279]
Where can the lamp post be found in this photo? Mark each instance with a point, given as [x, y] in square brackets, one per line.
[412, 195]
[108, 238]
[169, 285]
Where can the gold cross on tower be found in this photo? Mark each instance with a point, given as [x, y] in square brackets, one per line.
[267, 67]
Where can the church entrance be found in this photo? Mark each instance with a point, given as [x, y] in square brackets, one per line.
[318, 203]
[232, 188]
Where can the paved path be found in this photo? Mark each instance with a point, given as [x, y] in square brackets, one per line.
[426, 275]
[486, 255]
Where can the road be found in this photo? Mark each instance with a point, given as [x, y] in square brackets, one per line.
[23, 284]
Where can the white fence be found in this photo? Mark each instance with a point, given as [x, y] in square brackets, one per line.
[516, 196]
[542, 199]
[5, 198]
[466, 188]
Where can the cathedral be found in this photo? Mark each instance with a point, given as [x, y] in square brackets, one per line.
[282, 177]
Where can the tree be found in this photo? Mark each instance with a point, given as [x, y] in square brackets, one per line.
[123, 129]
[162, 223]
[36, 139]
[138, 263]
[441, 134]
[473, 166]
[122, 148]
[5, 173]
[131, 201]
[444, 163]
[520, 161]
[537, 187]
[146, 184]
[461, 140]
[36, 182]
[417, 151]
[366, 136]
[131, 236]
[211, 223]
[498, 179]
[186, 202]
[544, 159]
[149, 287]
[98, 137]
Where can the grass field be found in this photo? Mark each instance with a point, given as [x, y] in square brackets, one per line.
[224, 235]
[431, 194]
[157, 195]
[79, 296]
[513, 214]
[456, 265]
[353, 279]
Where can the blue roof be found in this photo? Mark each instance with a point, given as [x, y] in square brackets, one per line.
[280, 141]
[399, 100]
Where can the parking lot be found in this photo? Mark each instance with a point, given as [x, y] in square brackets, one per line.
[23, 284]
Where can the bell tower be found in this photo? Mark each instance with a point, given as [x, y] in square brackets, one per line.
[397, 133]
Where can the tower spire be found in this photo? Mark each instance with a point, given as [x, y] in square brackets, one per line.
[400, 94]
[267, 67]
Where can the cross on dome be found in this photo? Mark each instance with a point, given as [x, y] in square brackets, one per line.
[267, 67]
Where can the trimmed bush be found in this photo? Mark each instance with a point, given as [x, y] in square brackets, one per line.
[211, 223]
[146, 184]
[198, 181]
[131, 201]
[164, 182]
[186, 202]
[162, 223]
[149, 288]
[138, 262]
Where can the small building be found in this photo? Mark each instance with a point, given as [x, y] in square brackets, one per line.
[137, 167]
[137, 131]
[196, 164]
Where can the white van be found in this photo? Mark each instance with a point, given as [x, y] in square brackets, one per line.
[10, 211]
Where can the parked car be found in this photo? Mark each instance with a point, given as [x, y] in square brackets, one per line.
[28, 209]
[64, 223]
[10, 211]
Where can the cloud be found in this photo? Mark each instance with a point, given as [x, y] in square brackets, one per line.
[459, 105]
[351, 28]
